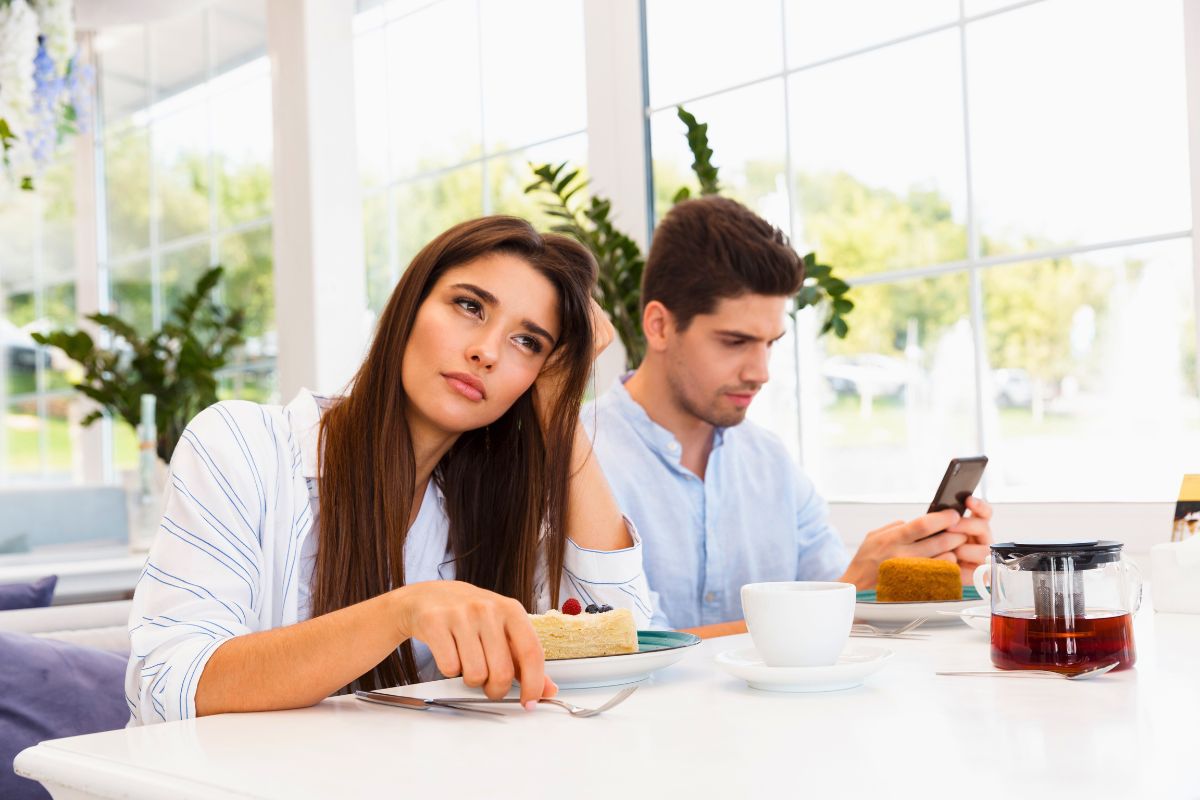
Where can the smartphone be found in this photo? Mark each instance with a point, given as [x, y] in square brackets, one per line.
[959, 482]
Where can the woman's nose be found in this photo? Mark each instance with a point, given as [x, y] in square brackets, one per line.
[482, 353]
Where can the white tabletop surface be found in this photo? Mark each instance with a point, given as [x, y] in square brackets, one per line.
[693, 731]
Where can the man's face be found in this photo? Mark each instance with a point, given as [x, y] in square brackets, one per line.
[716, 366]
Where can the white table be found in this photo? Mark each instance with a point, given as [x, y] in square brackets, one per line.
[694, 731]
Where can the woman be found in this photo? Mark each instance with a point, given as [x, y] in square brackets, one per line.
[316, 547]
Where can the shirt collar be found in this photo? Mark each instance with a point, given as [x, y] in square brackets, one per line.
[304, 415]
[658, 437]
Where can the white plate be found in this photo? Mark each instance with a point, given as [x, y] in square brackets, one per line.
[906, 612]
[656, 650]
[854, 664]
[978, 617]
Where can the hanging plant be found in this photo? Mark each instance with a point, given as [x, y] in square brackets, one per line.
[43, 89]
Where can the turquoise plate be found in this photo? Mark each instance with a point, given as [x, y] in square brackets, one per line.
[656, 650]
[969, 593]
[649, 641]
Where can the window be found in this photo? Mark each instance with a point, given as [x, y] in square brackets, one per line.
[1006, 188]
[455, 99]
[184, 139]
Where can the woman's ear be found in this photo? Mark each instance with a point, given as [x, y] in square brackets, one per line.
[657, 323]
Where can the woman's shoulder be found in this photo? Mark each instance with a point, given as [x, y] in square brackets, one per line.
[241, 428]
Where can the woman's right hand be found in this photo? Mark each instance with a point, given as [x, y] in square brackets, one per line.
[484, 636]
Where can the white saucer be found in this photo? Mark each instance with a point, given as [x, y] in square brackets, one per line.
[855, 663]
[978, 617]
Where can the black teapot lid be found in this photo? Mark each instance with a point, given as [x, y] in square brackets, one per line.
[1056, 555]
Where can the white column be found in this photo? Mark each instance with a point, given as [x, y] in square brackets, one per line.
[618, 138]
[320, 282]
[1191, 53]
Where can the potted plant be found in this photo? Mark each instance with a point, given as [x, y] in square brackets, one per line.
[621, 261]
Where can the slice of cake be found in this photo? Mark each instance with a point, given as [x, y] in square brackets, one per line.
[603, 631]
[908, 580]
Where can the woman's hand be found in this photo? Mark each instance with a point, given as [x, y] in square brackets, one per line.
[548, 385]
[485, 637]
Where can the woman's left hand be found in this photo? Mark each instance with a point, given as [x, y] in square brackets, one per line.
[548, 385]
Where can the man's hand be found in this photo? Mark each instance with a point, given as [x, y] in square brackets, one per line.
[943, 535]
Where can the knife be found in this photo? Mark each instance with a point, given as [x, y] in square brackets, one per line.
[417, 703]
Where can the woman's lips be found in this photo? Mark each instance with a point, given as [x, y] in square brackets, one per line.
[468, 386]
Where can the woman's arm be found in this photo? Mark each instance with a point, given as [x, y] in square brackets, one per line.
[481, 635]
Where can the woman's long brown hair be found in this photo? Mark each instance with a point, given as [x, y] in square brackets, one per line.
[502, 483]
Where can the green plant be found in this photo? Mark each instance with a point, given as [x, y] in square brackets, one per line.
[621, 261]
[177, 363]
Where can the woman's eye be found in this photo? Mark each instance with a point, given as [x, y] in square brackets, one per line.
[469, 305]
[530, 343]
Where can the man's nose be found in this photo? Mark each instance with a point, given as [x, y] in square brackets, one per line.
[756, 369]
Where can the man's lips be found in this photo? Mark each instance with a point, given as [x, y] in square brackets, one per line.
[468, 386]
[741, 399]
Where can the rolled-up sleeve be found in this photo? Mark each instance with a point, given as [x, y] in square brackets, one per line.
[203, 580]
[605, 577]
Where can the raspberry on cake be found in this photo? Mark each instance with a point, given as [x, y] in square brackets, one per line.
[604, 633]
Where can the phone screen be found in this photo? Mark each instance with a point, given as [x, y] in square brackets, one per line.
[959, 482]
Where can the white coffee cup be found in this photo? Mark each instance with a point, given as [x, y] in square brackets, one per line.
[799, 623]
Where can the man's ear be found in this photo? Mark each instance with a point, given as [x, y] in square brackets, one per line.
[658, 324]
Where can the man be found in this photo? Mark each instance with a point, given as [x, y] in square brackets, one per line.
[718, 501]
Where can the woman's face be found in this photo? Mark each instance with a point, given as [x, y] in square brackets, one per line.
[478, 342]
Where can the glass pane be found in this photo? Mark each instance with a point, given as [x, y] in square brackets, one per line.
[127, 192]
[1084, 137]
[698, 46]
[746, 132]
[130, 296]
[178, 53]
[433, 87]
[58, 311]
[371, 107]
[1093, 355]
[57, 189]
[22, 435]
[122, 75]
[973, 7]
[887, 407]
[519, 80]
[508, 177]
[60, 439]
[22, 354]
[181, 149]
[243, 150]
[426, 208]
[178, 273]
[255, 382]
[239, 33]
[884, 179]
[819, 30]
[381, 276]
[249, 282]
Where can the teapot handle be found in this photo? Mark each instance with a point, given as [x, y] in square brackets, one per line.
[980, 571]
[1132, 568]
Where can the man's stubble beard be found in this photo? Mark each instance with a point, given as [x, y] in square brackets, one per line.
[677, 373]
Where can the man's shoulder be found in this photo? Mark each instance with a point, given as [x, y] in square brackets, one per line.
[751, 437]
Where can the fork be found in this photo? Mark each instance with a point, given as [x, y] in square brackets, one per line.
[864, 629]
[573, 710]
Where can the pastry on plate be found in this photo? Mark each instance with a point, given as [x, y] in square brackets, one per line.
[914, 580]
[578, 633]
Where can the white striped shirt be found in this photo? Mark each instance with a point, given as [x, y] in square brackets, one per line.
[235, 551]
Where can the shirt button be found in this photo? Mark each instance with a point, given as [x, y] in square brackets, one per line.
[711, 597]
[673, 447]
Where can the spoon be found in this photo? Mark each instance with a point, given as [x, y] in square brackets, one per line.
[1082, 675]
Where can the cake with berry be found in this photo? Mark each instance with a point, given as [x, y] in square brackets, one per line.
[577, 632]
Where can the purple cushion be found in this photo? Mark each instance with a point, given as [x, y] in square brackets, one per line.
[38, 594]
[50, 689]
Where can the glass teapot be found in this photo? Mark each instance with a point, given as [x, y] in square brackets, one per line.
[1061, 607]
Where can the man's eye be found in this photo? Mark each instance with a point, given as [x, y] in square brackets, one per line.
[530, 343]
[469, 305]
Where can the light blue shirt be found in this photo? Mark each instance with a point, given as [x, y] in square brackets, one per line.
[754, 517]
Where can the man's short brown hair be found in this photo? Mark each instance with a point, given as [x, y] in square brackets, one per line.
[712, 248]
